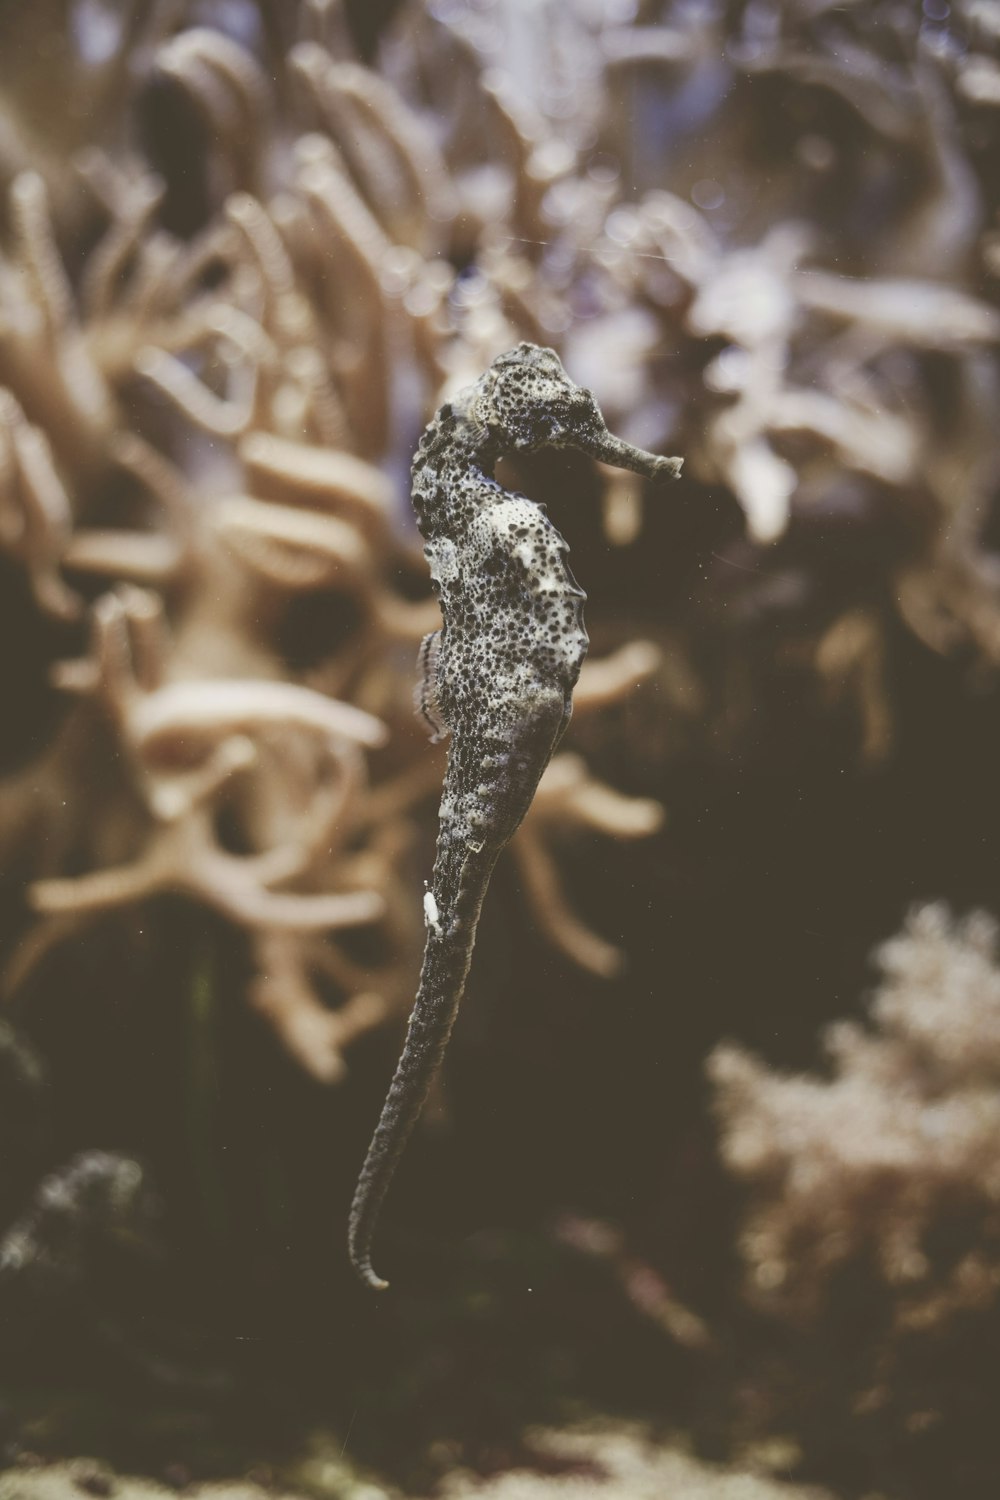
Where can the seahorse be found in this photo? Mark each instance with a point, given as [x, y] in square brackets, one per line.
[498, 677]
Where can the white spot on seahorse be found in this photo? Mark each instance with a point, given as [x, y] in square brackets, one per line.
[442, 555]
[431, 915]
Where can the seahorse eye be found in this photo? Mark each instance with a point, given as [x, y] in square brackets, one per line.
[583, 407]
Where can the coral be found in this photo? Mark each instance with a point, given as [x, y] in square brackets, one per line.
[77, 1215]
[879, 1187]
[619, 1463]
[196, 436]
[798, 344]
[91, 1232]
[624, 1463]
[870, 1164]
[66, 1480]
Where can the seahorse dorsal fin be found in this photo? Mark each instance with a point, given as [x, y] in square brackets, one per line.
[425, 693]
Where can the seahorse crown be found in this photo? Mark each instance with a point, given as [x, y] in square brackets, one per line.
[528, 401]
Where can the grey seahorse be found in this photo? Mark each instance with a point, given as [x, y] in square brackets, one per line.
[498, 677]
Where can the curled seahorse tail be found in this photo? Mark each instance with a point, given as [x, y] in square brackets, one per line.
[372, 1280]
[400, 1112]
[442, 984]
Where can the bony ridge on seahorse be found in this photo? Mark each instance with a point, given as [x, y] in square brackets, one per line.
[498, 677]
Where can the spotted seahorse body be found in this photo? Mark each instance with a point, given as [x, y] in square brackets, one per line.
[498, 678]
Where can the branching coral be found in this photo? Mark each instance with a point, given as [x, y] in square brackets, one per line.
[190, 435]
[795, 345]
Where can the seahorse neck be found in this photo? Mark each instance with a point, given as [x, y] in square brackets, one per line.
[453, 469]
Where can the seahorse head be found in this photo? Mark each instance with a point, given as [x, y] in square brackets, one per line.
[527, 401]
